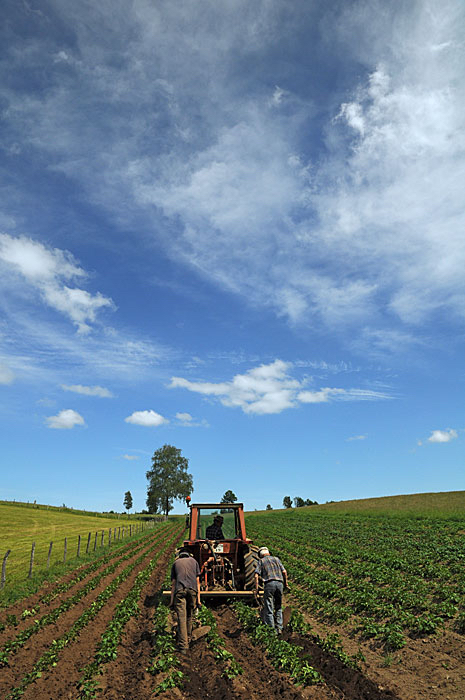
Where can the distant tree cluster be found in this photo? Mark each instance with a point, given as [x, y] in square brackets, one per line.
[228, 497]
[298, 502]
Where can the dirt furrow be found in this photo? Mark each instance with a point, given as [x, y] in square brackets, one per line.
[260, 680]
[62, 681]
[432, 667]
[34, 602]
[23, 661]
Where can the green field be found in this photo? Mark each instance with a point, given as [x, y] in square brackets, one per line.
[21, 525]
[385, 568]
[448, 504]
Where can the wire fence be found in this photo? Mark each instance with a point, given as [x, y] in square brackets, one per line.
[93, 542]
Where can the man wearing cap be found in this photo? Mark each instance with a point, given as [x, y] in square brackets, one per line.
[215, 530]
[274, 576]
[185, 596]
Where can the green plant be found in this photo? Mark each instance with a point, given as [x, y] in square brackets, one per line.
[231, 667]
[284, 656]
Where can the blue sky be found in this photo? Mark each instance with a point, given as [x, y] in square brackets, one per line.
[237, 228]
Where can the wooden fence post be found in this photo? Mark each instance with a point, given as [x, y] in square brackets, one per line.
[101, 541]
[109, 536]
[66, 549]
[3, 579]
[95, 542]
[88, 543]
[119, 532]
[49, 555]
[31, 563]
[79, 545]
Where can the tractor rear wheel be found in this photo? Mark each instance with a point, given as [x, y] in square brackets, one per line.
[250, 562]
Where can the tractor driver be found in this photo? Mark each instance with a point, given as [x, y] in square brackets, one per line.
[215, 530]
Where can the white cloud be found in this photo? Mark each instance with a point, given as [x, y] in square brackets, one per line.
[187, 421]
[65, 420]
[270, 389]
[184, 417]
[43, 348]
[47, 270]
[7, 376]
[148, 419]
[442, 435]
[130, 458]
[360, 224]
[99, 391]
[356, 437]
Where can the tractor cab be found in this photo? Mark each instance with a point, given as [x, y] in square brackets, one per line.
[226, 557]
[202, 518]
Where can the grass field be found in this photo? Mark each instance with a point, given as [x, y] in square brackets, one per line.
[448, 504]
[20, 526]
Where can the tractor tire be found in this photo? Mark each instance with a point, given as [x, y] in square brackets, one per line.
[250, 563]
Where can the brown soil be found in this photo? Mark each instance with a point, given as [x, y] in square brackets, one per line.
[433, 668]
[58, 682]
[34, 601]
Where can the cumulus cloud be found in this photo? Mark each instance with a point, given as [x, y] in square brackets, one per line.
[65, 420]
[271, 389]
[99, 391]
[150, 419]
[48, 270]
[184, 417]
[442, 435]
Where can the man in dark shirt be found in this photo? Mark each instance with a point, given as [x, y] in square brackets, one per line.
[274, 576]
[215, 531]
[185, 596]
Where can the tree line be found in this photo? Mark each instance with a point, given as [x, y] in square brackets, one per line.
[169, 480]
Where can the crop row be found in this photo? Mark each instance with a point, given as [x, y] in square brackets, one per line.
[164, 662]
[216, 644]
[394, 575]
[83, 572]
[285, 657]
[12, 646]
[107, 648]
[51, 656]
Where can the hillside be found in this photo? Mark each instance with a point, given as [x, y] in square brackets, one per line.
[447, 504]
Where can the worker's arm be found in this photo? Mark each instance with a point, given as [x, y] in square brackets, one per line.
[284, 573]
[198, 591]
[256, 582]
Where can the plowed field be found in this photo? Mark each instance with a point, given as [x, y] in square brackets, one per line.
[430, 667]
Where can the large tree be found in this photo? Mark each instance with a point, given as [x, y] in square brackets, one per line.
[168, 479]
[287, 502]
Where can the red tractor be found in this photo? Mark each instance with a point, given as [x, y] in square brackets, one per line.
[227, 563]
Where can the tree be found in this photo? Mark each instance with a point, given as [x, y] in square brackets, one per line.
[309, 502]
[229, 497]
[287, 502]
[269, 507]
[127, 500]
[168, 479]
[299, 502]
